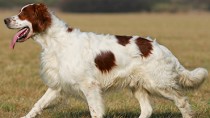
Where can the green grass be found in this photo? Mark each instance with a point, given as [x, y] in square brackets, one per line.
[186, 35]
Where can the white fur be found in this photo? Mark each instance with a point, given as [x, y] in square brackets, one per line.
[67, 66]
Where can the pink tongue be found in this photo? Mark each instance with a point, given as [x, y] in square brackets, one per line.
[15, 38]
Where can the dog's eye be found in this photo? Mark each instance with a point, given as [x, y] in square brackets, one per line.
[22, 15]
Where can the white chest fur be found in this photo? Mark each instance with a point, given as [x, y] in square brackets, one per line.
[49, 69]
[58, 71]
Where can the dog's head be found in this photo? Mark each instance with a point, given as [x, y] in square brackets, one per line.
[31, 20]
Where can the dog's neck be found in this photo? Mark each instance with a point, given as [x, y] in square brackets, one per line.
[55, 32]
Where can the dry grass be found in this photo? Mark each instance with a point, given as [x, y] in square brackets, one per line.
[186, 35]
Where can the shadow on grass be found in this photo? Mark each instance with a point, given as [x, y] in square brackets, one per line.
[114, 114]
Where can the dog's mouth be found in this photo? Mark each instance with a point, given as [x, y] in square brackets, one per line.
[21, 36]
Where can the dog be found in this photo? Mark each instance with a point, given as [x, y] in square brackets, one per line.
[88, 64]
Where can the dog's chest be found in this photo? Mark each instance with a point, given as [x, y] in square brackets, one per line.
[56, 72]
[49, 69]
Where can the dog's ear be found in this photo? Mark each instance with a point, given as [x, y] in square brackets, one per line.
[43, 17]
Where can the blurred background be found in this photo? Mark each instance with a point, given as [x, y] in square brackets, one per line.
[183, 26]
[104, 6]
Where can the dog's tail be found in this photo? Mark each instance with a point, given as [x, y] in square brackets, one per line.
[192, 79]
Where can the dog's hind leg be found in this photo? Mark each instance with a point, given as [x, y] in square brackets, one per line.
[92, 92]
[49, 96]
[144, 99]
[180, 101]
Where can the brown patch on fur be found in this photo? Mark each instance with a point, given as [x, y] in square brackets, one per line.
[69, 29]
[145, 46]
[105, 61]
[38, 15]
[123, 40]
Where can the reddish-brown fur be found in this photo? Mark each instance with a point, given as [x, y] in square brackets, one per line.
[38, 15]
[145, 46]
[105, 61]
[123, 40]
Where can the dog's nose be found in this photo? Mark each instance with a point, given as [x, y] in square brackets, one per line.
[7, 21]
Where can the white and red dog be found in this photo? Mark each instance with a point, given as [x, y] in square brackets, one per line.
[89, 64]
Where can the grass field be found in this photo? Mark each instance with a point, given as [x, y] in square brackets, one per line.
[186, 35]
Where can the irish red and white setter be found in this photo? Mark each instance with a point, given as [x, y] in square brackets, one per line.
[90, 64]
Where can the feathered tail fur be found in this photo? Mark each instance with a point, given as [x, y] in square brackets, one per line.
[192, 79]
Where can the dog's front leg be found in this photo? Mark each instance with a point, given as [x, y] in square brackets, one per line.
[92, 92]
[49, 96]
